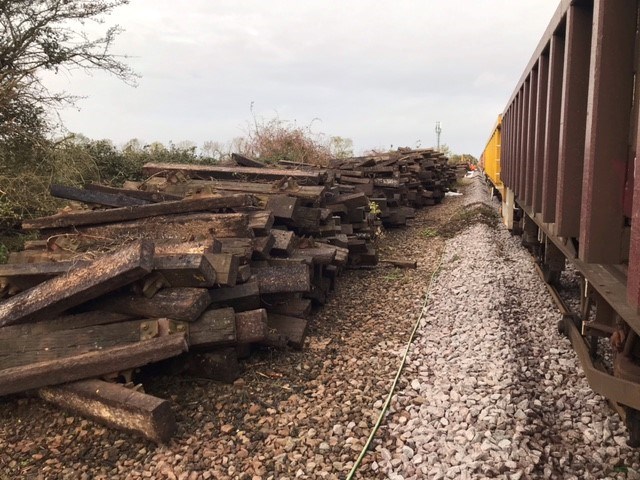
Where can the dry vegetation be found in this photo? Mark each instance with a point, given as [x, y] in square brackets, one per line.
[276, 140]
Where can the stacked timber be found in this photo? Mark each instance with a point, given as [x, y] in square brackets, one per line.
[139, 277]
[398, 182]
[305, 202]
[191, 267]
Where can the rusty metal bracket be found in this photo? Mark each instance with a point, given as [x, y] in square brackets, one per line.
[148, 329]
[615, 389]
[167, 326]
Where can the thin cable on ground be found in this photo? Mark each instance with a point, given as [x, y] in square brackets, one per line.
[403, 361]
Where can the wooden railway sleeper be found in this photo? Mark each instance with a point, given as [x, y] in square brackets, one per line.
[626, 366]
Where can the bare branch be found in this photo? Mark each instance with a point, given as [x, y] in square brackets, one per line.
[38, 35]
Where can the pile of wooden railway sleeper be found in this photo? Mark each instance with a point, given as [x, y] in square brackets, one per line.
[196, 264]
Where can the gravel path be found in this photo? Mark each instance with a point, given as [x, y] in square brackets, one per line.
[489, 390]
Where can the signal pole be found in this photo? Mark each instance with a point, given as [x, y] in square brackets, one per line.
[438, 132]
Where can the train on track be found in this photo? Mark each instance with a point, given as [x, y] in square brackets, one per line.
[562, 159]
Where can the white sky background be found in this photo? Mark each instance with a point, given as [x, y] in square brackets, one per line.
[378, 72]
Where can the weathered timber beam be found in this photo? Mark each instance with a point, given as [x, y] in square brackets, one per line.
[79, 285]
[42, 268]
[235, 173]
[400, 263]
[320, 254]
[186, 304]
[309, 193]
[242, 247]
[210, 245]
[95, 197]
[150, 196]
[293, 330]
[262, 247]
[352, 200]
[67, 322]
[93, 217]
[246, 161]
[306, 218]
[244, 273]
[242, 297]
[188, 270]
[286, 277]
[181, 264]
[214, 328]
[285, 242]
[185, 227]
[283, 207]
[251, 326]
[115, 406]
[22, 276]
[294, 307]
[92, 244]
[221, 365]
[226, 267]
[260, 221]
[92, 364]
[49, 345]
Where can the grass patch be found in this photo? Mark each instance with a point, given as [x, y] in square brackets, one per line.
[13, 242]
[394, 275]
[429, 232]
[468, 215]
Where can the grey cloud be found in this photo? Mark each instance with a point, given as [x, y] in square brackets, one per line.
[379, 72]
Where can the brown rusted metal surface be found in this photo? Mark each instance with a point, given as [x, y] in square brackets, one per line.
[531, 136]
[572, 120]
[514, 144]
[522, 153]
[507, 134]
[570, 135]
[540, 133]
[616, 389]
[625, 391]
[552, 136]
[608, 122]
[512, 134]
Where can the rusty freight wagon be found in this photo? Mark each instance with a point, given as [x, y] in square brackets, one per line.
[569, 142]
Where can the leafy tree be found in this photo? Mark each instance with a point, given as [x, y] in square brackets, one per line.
[187, 146]
[218, 151]
[132, 146]
[48, 35]
[444, 148]
[341, 147]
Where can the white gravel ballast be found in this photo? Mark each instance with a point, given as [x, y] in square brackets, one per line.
[490, 388]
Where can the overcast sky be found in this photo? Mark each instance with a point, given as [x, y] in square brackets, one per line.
[378, 72]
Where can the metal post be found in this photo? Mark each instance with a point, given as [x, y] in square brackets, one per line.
[438, 132]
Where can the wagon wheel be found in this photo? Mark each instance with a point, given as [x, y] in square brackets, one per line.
[632, 422]
[552, 277]
[627, 366]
